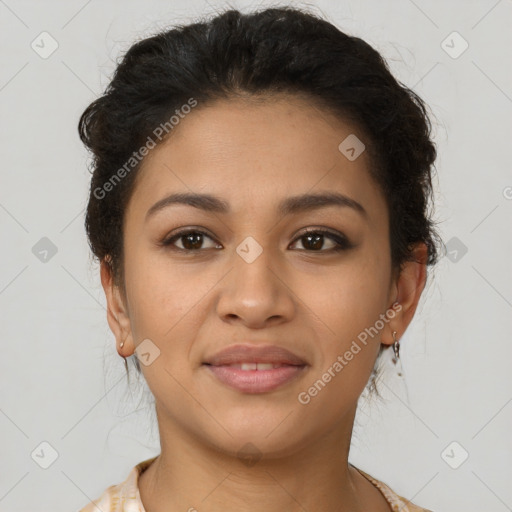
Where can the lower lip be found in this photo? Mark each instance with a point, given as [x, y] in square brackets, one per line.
[256, 381]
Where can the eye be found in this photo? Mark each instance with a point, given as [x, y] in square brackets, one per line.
[191, 240]
[313, 240]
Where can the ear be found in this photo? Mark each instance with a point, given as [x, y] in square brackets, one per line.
[407, 290]
[117, 312]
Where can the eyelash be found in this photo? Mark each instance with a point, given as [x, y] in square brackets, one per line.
[342, 242]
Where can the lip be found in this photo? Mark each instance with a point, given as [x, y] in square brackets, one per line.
[255, 381]
[236, 354]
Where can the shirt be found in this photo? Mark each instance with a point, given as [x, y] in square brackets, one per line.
[125, 497]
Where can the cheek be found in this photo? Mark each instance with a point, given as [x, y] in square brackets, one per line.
[349, 305]
[347, 346]
[160, 295]
[352, 296]
[165, 307]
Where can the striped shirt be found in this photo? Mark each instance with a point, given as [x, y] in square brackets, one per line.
[125, 497]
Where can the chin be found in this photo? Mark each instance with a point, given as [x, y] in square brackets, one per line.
[268, 438]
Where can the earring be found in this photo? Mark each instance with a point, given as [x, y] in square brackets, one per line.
[396, 349]
[121, 345]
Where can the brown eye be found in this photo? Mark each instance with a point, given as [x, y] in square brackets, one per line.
[314, 241]
[191, 240]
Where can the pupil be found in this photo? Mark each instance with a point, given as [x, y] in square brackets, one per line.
[317, 241]
[192, 241]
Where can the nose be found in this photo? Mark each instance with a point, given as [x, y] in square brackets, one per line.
[256, 293]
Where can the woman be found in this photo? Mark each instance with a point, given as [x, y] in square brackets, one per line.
[259, 206]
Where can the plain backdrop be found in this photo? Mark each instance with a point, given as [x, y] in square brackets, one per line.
[442, 437]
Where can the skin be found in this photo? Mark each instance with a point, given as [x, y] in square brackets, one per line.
[306, 298]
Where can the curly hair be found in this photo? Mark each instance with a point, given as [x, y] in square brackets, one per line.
[276, 50]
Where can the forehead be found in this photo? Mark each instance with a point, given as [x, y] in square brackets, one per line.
[254, 152]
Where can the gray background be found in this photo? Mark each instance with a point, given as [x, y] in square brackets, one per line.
[62, 381]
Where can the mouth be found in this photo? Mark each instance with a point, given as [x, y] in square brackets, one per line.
[255, 368]
[254, 354]
[254, 377]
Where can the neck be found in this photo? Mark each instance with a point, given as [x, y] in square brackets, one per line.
[191, 475]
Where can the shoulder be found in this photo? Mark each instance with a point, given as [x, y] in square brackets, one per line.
[104, 502]
[397, 503]
[122, 496]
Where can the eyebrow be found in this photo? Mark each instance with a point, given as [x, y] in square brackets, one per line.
[290, 205]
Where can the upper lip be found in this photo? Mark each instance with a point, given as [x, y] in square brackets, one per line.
[236, 354]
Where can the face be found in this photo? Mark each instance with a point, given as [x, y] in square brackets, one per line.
[242, 270]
